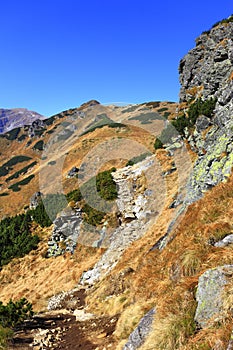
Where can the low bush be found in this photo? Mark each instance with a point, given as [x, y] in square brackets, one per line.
[16, 187]
[106, 188]
[138, 159]
[21, 171]
[16, 239]
[158, 144]
[15, 313]
[46, 212]
[39, 146]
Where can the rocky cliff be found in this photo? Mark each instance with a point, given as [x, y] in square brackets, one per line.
[206, 72]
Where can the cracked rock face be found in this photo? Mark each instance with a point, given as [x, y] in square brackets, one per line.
[215, 165]
[138, 336]
[65, 233]
[209, 294]
[138, 211]
[207, 71]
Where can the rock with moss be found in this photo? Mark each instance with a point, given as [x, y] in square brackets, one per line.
[215, 165]
[138, 336]
[209, 295]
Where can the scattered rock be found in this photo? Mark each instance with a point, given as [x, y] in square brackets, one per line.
[224, 242]
[138, 336]
[72, 172]
[35, 200]
[65, 233]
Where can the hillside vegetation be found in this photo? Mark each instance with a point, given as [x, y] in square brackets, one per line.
[117, 221]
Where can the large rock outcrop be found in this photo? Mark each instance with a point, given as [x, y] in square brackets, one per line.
[138, 336]
[207, 72]
[209, 295]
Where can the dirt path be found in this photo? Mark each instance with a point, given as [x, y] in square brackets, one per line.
[66, 329]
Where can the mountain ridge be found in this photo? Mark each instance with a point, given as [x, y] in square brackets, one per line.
[158, 263]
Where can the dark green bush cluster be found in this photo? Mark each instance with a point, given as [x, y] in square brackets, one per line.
[138, 159]
[92, 216]
[181, 123]
[16, 239]
[52, 204]
[39, 146]
[15, 160]
[106, 188]
[178, 125]
[100, 121]
[12, 134]
[16, 187]
[22, 137]
[74, 195]
[225, 20]
[15, 313]
[146, 118]
[110, 125]
[201, 107]
[21, 171]
[8, 166]
[158, 144]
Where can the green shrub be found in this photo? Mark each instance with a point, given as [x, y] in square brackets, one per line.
[50, 120]
[106, 186]
[22, 137]
[160, 110]
[52, 162]
[15, 313]
[93, 216]
[166, 114]
[100, 121]
[201, 107]
[138, 159]
[21, 171]
[145, 118]
[3, 171]
[12, 135]
[158, 144]
[5, 335]
[15, 160]
[74, 195]
[46, 212]
[181, 123]
[39, 146]
[195, 110]
[153, 104]
[16, 187]
[16, 239]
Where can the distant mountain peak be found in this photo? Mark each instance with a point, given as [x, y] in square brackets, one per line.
[16, 118]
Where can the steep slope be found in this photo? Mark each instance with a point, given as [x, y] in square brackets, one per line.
[158, 263]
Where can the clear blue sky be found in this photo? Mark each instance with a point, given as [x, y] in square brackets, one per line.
[57, 54]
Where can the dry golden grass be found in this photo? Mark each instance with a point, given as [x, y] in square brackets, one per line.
[38, 278]
[167, 279]
[164, 279]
